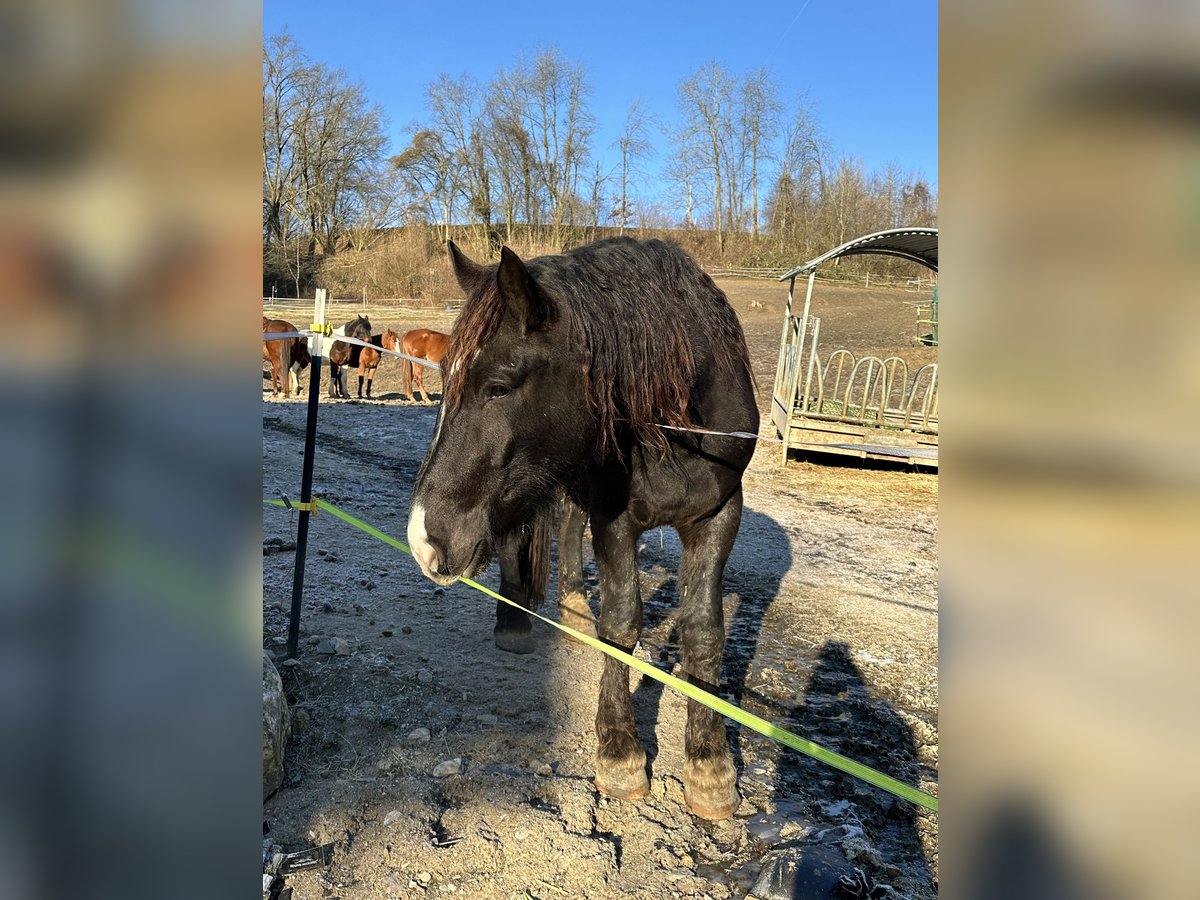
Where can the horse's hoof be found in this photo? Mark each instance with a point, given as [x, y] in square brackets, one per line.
[623, 779]
[710, 787]
[515, 641]
[574, 612]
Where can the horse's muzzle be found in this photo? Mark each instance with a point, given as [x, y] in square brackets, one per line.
[429, 556]
[432, 556]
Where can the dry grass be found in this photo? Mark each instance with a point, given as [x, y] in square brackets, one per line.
[411, 262]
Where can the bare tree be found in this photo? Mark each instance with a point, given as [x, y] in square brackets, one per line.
[799, 182]
[759, 126]
[599, 179]
[706, 102]
[683, 173]
[845, 200]
[341, 145]
[431, 174]
[561, 126]
[285, 70]
[634, 145]
[918, 203]
[287, 73]
[323, 146]
[458, 116]
[510, 148]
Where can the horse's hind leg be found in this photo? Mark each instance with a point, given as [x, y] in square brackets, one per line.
[620, 759]
[573, 609]
[709, 776]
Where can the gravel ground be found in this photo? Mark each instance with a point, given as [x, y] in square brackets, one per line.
[831, 611]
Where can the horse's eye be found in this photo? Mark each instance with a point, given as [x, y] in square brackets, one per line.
[499, 390]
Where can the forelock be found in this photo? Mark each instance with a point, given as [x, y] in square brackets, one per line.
[476, 325]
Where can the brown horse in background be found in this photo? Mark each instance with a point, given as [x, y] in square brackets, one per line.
[423, 343]
[287, 356]
[369, 358]
[343, 356]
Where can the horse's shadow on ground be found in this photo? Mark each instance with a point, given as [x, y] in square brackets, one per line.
[839, 711]
[431, 400]
[761, 556]
[836, 708]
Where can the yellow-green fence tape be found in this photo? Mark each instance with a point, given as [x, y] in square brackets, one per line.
[689, 690]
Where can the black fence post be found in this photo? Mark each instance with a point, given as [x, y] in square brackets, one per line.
[317, 351]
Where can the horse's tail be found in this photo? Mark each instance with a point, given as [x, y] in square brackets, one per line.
[535, 560]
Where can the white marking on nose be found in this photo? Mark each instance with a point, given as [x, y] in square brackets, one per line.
[418, 540]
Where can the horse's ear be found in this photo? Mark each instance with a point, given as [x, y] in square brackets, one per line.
[470, 275]
[526, 303]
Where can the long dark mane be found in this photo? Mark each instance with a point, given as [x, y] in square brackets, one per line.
[644, 318]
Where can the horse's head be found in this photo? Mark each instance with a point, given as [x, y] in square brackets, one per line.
[512, 424]
[358, 327]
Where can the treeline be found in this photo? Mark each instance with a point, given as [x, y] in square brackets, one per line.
[746, 179]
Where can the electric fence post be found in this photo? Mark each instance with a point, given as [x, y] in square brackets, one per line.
[316, 345]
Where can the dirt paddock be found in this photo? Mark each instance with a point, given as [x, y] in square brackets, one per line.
[831, 614]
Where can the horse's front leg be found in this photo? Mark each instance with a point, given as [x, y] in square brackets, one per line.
[514, 631]
[620, 758]
[709, 776]
[573, 609]
[524, 573]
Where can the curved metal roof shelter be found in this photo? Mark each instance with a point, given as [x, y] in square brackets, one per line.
[919, 245]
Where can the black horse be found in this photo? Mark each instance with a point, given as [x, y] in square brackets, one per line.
[559, 373]
[344, 356]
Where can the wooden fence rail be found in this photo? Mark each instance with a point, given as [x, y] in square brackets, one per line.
[918, 284]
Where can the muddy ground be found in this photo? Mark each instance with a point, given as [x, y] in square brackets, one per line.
[831, 611]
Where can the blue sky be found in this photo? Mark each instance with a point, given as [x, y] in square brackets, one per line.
[842, 55]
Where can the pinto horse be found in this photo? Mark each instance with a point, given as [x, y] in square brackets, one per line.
[558, 374]
[423, 343]
[343, 356]
[287, 356]
[370, 357]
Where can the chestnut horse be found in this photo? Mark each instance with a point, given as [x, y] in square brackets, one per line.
[558, 375]
[286, 355]
[422, 343]
[369, 357]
